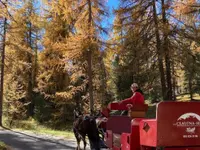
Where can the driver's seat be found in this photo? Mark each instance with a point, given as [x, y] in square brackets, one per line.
[138, 111]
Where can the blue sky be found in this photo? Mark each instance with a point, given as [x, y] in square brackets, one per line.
[112, 4]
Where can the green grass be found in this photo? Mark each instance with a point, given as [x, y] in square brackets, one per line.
[186, 97]
[35, 127]
[3, 146]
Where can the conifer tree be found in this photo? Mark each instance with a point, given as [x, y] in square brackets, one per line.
[3, 30]
[150, 30]
[83, 47]
[22, 47]
[136, 51]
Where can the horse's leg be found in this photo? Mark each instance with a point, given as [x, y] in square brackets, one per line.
[78, 140]
[78, 147]
[84, 142]
[78, 144]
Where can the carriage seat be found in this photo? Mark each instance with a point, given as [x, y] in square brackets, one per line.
[137, 111]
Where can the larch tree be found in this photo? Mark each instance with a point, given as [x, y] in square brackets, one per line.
[148, 30]
[3, 30]
[84, 45]
[53, 78]
[141, 43]
[21, 56]
[188, 39]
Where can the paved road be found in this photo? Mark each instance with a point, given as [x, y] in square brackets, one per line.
[27, 141]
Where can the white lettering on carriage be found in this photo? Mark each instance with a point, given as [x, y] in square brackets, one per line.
[190, 136]
[186, 124]
[188, 121]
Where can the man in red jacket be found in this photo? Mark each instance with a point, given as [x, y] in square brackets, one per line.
[136, 98]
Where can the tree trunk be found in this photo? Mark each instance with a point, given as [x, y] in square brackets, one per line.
[89, 60]
[2, 66]
[190, 87]
[30, 75]
[166, 52]
[174, 82]
[30, 90]
[35, 66]
[103, 82]
[159, 52]
[90, 81]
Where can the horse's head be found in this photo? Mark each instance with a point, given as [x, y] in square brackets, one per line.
[77, 113]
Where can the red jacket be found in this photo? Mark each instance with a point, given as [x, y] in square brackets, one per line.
[136, 98]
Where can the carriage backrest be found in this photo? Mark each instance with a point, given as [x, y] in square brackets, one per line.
[137, 111]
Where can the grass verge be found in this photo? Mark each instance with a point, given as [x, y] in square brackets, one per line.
[33, 126]
[186, 97]
[3, 146]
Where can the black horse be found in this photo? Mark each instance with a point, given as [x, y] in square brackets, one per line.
[86, 126]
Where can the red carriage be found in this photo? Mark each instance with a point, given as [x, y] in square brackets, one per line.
[176, 127]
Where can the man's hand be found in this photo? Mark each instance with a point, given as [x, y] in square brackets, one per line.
[129, 106]
[120, 102]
